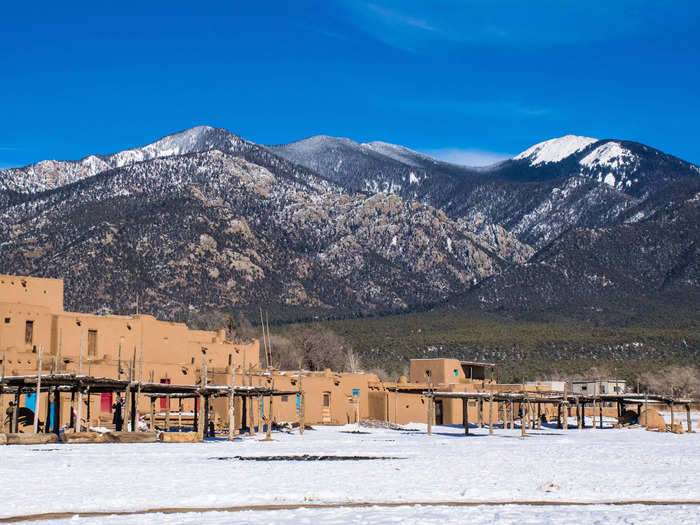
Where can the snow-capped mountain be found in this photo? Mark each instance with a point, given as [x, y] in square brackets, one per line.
[554, 150]
[328, 226]
[51, 174]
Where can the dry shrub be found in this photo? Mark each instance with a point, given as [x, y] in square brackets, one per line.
[675, 380]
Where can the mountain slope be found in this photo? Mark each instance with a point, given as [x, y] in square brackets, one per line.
[213, 230]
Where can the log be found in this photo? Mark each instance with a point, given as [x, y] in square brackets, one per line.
[481, 413]
[180, 437]
[30, 439]
[131, 437]
[83, 437]
[689, 423]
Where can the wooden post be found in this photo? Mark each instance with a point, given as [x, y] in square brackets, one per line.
[167, 413]
[202, 419]
[301, 407]
[566, 415]
[539, 415]
[153, 414]
[138, 387]
[522, 423]
[491, 414]
[196, 415]
[559, 424]
[37, 405]
[594, 414]
[87, 418]
[465, 415]
[578, 413]
[205, 416]
[179, 414]
[672, 418]
[15, 408]
[646, 410]
[79, 417]
[133, 411]
[481, 412]
[512, 415]
[2, 392]
[600, 410]
[231, 414]
[251, 411]
[56, 411]
[689, 423]
[268, 433]
[429, 401]
[127, 406]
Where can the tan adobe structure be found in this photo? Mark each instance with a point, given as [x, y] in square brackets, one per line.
[162, 357]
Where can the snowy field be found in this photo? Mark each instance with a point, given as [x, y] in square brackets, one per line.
[548, 466]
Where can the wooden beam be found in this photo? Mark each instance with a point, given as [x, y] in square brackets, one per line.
[77, 424]
[167, 413]
[15, 408]
[481, 412]
[429, 401]
[491, 414]
[465, 415]
[301, 407]
[153, 414]
[689, 422]
[231, 413]
[37, 404]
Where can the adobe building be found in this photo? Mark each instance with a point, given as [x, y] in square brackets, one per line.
[32, 318]
[33, 321]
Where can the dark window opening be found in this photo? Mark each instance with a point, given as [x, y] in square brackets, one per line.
[284, 399]
[92, 342]
[192, 360]
[230, 359]
[7, 320]
[29, 332]
[326, 400]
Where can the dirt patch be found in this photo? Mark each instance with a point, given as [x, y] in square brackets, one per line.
[304, 457]
[293, 506]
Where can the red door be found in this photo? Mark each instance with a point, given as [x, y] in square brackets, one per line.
[163, 400]
[106, 402]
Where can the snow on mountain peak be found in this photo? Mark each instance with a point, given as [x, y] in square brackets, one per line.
[555, 150]
[398, 153]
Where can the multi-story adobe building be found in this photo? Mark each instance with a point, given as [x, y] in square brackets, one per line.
[33, 322]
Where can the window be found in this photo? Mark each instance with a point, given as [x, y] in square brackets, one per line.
[326, 400]
[284, 399]
[355, 392]
[7, 320]
[456, 372]
[230, 358]
[29, 332]
[584, 387]
[92, 342]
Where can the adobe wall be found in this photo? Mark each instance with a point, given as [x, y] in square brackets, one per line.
[32, 291]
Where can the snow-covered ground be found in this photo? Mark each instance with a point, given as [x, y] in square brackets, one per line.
[600, 466]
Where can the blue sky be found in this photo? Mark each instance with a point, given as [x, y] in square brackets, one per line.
[468, 81]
